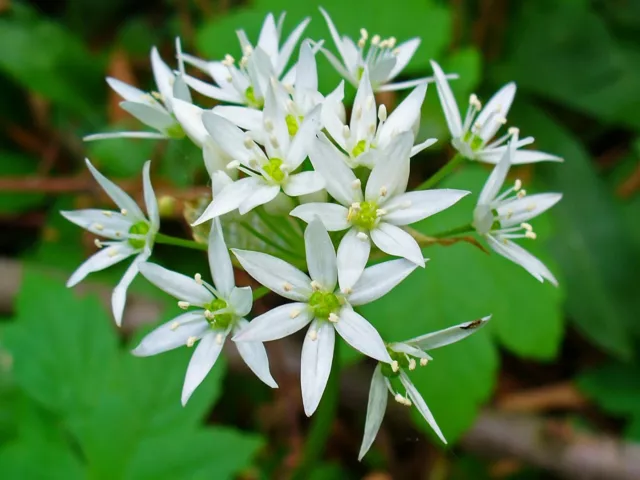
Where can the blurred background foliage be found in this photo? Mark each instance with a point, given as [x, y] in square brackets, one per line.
[75, 404]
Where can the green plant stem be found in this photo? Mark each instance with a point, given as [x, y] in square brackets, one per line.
[321, 422]
[455, 231]
[179, 242]
[442, 173]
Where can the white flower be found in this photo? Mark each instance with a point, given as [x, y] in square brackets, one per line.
[473, 138]
[247, 84]
[267, 173]
[383, 58]
[154, 109]
[129, 233]
[366, 134]
[219, 310]
[404, 355]
[377, 215]
[317, 301]
[502, 218]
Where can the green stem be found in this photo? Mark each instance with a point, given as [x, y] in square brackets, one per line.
[179, 242]
[455, 231]
[442, 173]
[321, 422]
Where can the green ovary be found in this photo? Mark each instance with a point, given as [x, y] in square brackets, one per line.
[175, 131]
[251, 98]
[359, 149]
[364, 216]
[140, 228]
[323, 304]
[474, 141]
[293, 124]
[221, 320]
[274, 170]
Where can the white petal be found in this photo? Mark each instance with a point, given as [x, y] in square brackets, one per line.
[202, 360]
[230, 198]
[220, 260]
[190, 118]
[409, 350]
[350, 52]
[532, 156]
[391, 172]
[420, 404]
[321, 256]
[404, 116]
[129, 92]
[447, 336]
[520, 256]
[104, 258]
[241, 299]
[315, 365]
[268, 39]
[301, 143]
[276, 323]
[229, 137]
[243, 117]
[307, 70]
[495, 110]
[448, 101]
[261, 194]
[395, 241]
[289, 45]
[338, 177]
[391, 87]
[420, 205]
[404, 54]
[275, 274]
[526, 208]
[416, 149]
[495, 181]
[333, 216]
[163, 76]
[180, 91]
[167, 337]
[107, 224]
[353, 254]
[119, 197]
[215, 161]
[334, 34]
[107, 136]
[119, 295]
[380, 71]
[378, 280]
[303, 183]
[255, 356]
[161, 120]
[177, 285]
[364, 112]
[150, 201]
[376, 408]
[273, 113]
[361, 335]
[211, 91]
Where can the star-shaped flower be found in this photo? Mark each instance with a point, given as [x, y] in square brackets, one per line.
[267, 173]
[501, 218]
[246, 84]
[154, 109]
[318, 301]
[129, 232]
[404, 355]
[219, 310]
[377, 215]
[473, 137]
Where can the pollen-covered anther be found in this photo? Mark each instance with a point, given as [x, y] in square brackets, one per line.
[347, 291]
[362, 236]
[517, 185]
[124, 211]
[248, 50]
[315, 286]
[399, 398]
[391, 42]
[208, 315]
[356, 184]
[395, 366]
[107, 213]
[191, 341]
[198, 278]
[412, 364]
[526, 226]
[228, 60]
[313, 335]
[174, 326]
[423, 362]
[98, 243]
[407, 402]
[233, 165]
[364, 33]
[294, 313]
[396, 52]
[112, 252]
[513, 131]
[382, 112]
[522, 193]
[98, 226]
[219, 339]
[333, 318]
[531, 235]
[383, 191]
[375, 40]
[157, 95]
[183, 305]
[474, 102]
[287, 287]
[380, 212]
[502, 120]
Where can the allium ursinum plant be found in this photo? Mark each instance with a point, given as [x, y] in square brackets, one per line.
[319, 194]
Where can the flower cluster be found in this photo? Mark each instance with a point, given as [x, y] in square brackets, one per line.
[342, 179]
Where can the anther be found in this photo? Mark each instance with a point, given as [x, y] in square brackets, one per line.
[191, 341]
[474, 102]
[362, 236]
[174, 326]
[346, 132]
[382, 112]
[313, 335]
[248, 50]
[517, 185]
[391, 42]
[347, 291]
[423, 362]
[208, 315]
[375, 40]
[399, 398]
[531, 235]
[383, 191]
[396, 52]
[99, 226]
[356, 184]
[412, 364]
[198, 278]
[287, 287]
[514, 130]
[333, 318]
[361, 43]
[395, 366]
[502, 120]
[294, 313]
[112, 252]
[107, 213]
[522, 193]
[526, 226]
[407, 402]
[315, 285]
[98, 243]
[183, 305]
[232, 165]
[380, 212]
[219, 339]
[363, 33]
[228, 60]
[124, 211]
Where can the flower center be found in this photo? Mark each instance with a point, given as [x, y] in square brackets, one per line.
[473, 140]
[220, 320]
[140, 228]
[323, 304]
[293, 123]
[175, 131]
[359, 148]
[250, 95]
[274, 169]
[363, 214]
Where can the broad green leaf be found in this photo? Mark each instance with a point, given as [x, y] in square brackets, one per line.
[12, 164]
[596, 257]
[39, 459]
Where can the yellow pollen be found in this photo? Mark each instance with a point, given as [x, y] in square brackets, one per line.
[517, 185]
[107, 213]
[399, 398]
[99, 226]
[526, 226]
[219, 339]
[333, 318]
[423, 362]
[394, 366]
[98, 243]
[198, 278]
[522, 193]
[313, 335]
[315, 285]
[362, 236]
[383, 191]
[412, 364]
[191, 341]
[294, 313]
[183, 305]
[531, 235]
[124, 211]
[287, 287]
[113, 252]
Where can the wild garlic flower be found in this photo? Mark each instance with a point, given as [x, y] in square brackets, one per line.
[129, 232]
[154, 109]
[246, 84]
[377, 215]
[473, 138]
[218, 310]
[365, 135]
[383, 58]
[502, 217]
[406, 356]
[318, 301]
[267, 173]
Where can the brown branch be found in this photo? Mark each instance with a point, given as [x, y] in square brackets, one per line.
[557, 396]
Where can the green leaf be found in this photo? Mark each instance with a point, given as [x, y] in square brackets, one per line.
[38, 459]
[18, 165]
[596, 258]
